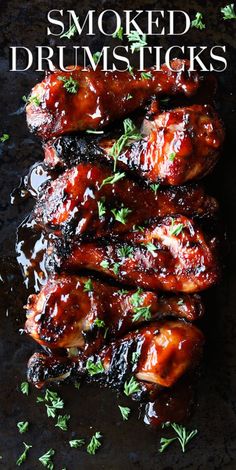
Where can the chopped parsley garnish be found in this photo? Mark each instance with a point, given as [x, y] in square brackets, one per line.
[122, 292]
[183, 436]
[130, 70]
[88, 286]
[70, 84]
[125, 411]
[116, 268]
[175, 229]
[94, 443]
[139, 310]
[142, 312]
[94, 368]
[131, 386]
[51, 410]
[130, 134]
[137, 40]
[165, 442]
[146, 75]
[104, 264]
[101, 208]
[197, 22]
[76, 443]
[129, 97]
[62, 422]
[77, 385]
[135, 357]
[52, 402]
[155, 187]
[23, 426]
[96, 57]
[112, 179]
[4, 137]
[150, 247]
[228, 12]
[71, 32]
[25, 388]
[31, 99]
[121, 214]
[125, 251]
[118, 34]
[46, 459]
[99, 323]
[172, 156]
[23, 456]
[136, 298]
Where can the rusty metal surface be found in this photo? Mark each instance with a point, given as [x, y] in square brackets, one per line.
[126, 445]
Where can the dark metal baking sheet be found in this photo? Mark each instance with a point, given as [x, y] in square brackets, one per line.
[127, 445]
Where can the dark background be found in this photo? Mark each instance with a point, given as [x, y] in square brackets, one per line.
[126, 445]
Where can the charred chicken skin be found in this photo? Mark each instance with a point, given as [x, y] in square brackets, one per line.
[158, 354]
[75, 312]
[86, 99]
[183, 145]
[85, 200]
[171, 255]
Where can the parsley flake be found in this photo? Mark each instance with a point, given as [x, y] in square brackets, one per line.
[94, 443]
[142, 312]
[172, 156]
[52, 402]
[88, 286]
[23, 456]
[116, 268]
[4, 137]
[121, 214]
[183, 436]
[101, 208]
[155, 187]
[104, 264]
[25, 388]
[130, 134]
[165, 442]
[135, 357]
[146, 75]
[76, 443]
[131, 386]
[71, 31]
[175, 229]
[70, 84]
[150, 247]
[99, 323]
[46, 459]
[125, 251]
[112, 179]
[137, 40]
[125, 411]
[197, 22]
[23, 426]
[119, 33]
[96, 57]
[94, 368]
[122, 292]
[228, 12]
[131, 71]
[62, 422]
